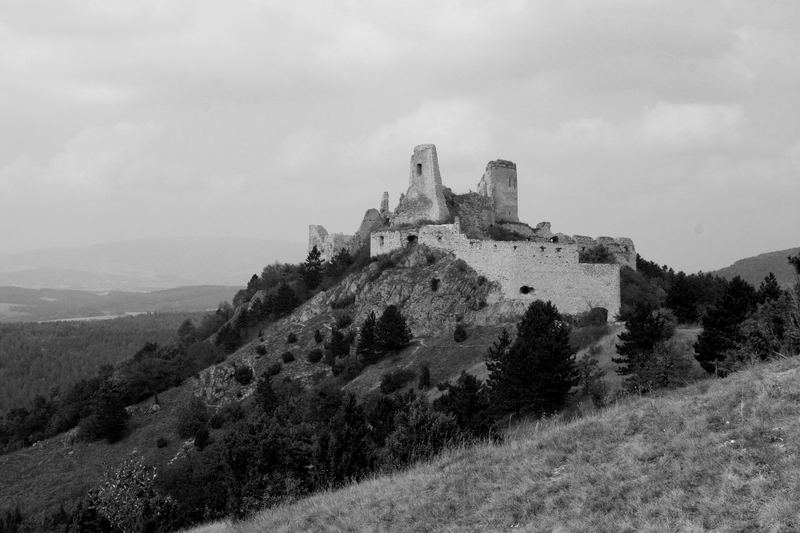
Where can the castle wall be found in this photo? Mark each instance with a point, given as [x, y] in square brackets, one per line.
[524, 270]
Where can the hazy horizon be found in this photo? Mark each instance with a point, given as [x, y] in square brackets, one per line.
[673, 123]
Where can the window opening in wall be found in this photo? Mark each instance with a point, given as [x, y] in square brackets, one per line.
[419, 169]
[515, 247]
[380, 240]
[412, 239]
[542, 248]
[525, 289]
[558, 249]
[509, 182]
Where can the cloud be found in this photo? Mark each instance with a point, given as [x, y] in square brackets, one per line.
[691, 126]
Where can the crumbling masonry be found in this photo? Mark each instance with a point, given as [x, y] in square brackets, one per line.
[528, 263]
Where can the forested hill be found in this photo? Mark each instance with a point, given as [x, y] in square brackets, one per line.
[754, 269]
[29, 305]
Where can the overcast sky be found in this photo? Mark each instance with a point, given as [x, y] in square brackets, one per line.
[676, 123]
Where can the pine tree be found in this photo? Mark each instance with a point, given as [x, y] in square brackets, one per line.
[468, 402]
[285, 300]
[769, 289]
[536, 372]
[644, 329]
[367, 344]
[391, 331]
[312, 269]
[721, 324]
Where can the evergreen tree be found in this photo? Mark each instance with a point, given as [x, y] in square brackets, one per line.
[795, 262]
[285, 300]
[187, 332]
[644, 328]
[107, 416]
[682, 298]
[312, 269]
[391, 331]
[346, 452]
[424, 381]
[721, 324]
[339, 347]
[536, 372]
[468, 402]
[769, 289]
[367, 347]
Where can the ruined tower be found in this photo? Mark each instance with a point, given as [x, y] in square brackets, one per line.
[424, 200]
[499, 182]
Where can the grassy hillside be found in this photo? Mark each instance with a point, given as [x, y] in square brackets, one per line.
[719, 455]
[753, 269]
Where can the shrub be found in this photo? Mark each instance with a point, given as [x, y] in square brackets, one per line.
[392, 381]
[596, 254]
[461, 266]
[460, 333]
[343, 320]
[424, 381]
[261, 349]
[315, 355]
[243, 375]
[345, 301]
[274, 369]
[291, 338]
[201, 438]
[435, 284]
[161, 442]
[192, 416]
[287, 357]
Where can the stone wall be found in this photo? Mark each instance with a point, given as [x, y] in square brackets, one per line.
[474, 210]
[524, 270]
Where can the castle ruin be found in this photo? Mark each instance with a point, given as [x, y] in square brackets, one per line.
[483, 229]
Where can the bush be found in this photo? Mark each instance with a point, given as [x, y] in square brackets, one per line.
[274, 369]
[315, 355]
[192, 416]
[424, 381]
[344, 301]
[343, 320]
[261, 349]
[291, 338]
[392, 381]
[596, 254]
[287, 357]
[161, 442]
[460, 333]
[243, 375]
[435, 284]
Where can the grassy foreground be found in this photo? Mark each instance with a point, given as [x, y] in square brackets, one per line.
[720, 455]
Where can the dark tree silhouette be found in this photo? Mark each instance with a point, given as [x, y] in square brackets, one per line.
[312, 269]
[721, 324]
[536, 372]
[391, 331]
[367, 347]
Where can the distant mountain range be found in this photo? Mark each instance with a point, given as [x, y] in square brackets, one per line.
[754, 269]
[146, 265]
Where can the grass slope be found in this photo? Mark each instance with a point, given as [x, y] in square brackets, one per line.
[719, 455]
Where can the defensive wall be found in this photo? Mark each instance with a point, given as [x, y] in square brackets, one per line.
[524, 270]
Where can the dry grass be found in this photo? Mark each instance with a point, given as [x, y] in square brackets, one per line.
[720, 455]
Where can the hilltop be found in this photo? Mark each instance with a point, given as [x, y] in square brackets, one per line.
[754, 269]
[719, 454]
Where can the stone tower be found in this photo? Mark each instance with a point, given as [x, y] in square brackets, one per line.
[499, 182]
[424, 200]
